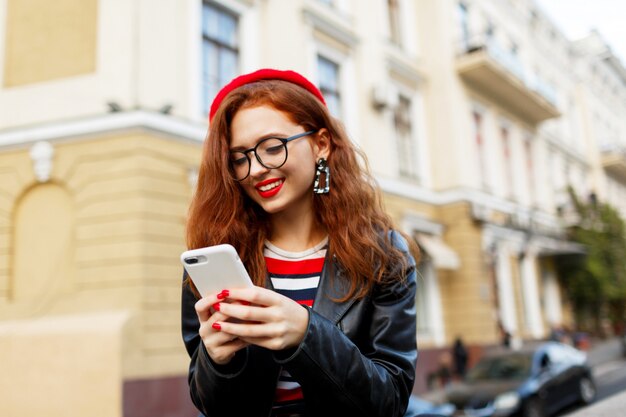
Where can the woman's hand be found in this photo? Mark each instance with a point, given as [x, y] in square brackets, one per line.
[220, 345]
[268, 319]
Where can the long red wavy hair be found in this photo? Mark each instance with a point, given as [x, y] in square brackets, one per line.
[352, 212]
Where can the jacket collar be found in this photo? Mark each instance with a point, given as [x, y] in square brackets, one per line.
[333, 286]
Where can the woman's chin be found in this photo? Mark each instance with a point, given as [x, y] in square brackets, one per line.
[271, 207]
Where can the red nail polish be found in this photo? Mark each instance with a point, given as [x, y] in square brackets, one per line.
[226, 293]
[221, 296]
[217, 326]
[246, 303]
[217, 306]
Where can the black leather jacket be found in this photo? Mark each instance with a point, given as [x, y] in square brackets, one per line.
[357, 357]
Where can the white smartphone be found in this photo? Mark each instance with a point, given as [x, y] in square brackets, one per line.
[215, 268]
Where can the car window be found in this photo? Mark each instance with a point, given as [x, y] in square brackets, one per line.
[558, 355]
[507, 367]
[565, 355]
[573, 355]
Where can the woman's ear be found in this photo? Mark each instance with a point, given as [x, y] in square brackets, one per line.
[321, 145]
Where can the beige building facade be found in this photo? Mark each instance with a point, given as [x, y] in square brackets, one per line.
[469, 124]
[604, 97]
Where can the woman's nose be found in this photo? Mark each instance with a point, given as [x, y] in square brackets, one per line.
[256, 168]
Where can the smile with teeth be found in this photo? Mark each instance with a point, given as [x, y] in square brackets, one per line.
[270, 186]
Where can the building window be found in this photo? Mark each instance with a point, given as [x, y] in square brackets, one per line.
[477, 118]
[530, 170]
[508, 163]
[329, 84]
[464, 25]
[534, 19]
[407, 165]
[395, 29]
[220, 50]
[552, 180]
[567, 175]
[490, 31]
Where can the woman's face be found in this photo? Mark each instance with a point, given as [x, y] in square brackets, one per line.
[290, 187]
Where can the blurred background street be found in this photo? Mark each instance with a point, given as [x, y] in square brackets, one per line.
[609, 371]
[609, 368]
[496, 130]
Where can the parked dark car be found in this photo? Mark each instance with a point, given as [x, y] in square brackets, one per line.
[535, 381]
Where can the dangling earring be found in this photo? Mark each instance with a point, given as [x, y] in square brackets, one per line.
[322, 168]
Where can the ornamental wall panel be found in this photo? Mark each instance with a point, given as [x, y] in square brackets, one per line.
[46, 40]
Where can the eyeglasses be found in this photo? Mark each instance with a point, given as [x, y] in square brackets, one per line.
[270, 152]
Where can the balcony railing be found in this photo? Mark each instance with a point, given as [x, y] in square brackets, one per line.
[614, 160]
[499, 74]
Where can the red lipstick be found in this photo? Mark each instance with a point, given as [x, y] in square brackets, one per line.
[272, 192]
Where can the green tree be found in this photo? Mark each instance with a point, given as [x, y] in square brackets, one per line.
[596, 282]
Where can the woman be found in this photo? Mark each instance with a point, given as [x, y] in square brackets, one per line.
[329, 328]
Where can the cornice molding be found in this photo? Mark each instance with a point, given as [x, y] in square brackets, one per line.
[335, 30]
[178, 129]
[476, 198]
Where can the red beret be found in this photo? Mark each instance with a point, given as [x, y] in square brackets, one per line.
[264, 74]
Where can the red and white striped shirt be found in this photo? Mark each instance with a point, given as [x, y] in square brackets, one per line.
[295, 275]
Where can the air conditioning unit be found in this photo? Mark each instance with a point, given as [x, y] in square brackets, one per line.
[384, 96]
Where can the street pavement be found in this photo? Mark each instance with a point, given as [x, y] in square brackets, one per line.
[614, 406]
[605, 351]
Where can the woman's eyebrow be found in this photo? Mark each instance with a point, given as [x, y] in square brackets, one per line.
[259, 139]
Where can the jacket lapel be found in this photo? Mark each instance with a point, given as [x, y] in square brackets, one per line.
[332, 288]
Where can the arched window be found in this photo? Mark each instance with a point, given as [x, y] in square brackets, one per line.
[43, 245]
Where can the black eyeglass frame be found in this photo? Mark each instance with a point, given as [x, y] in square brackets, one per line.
[284, 141]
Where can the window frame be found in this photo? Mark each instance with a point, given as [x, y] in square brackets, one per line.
[328, 92]
[406, 142]
[394, 19]
[479, 139]
[205, 84]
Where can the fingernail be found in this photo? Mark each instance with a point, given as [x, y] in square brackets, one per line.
[221, 296]
[217, 326]
[246, 303]
[226, 293]
[217, 306]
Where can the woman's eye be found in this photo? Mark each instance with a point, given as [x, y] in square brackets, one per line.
[274, 149]
[238, 161]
